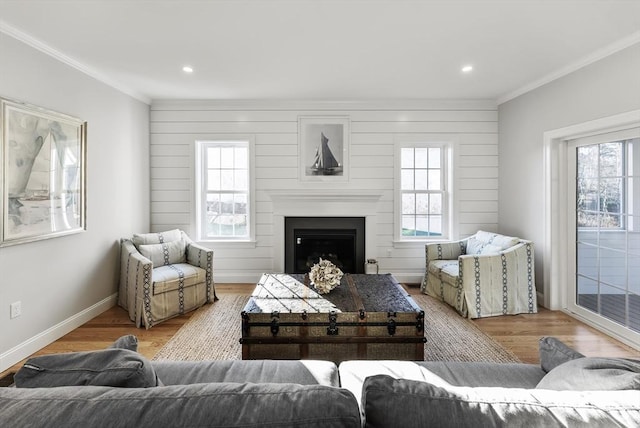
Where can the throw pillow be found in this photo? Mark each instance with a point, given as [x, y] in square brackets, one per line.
[474, 246]
[593, 374]
[501, 241]
[405, 403]
[109, 367]
[164, 254]
[156, 238]
[553, 353]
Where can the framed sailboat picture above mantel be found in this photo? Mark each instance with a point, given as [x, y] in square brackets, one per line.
[323, 148]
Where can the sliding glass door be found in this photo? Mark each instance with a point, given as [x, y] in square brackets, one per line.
[604, 185]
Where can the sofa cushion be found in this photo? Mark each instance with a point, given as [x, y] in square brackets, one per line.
[354, 373]
[168, 278]
[553, 353]
[198, 405]
[156, 238]
[303, 372]
[593, 374]
[448, 270]
[109, 367]
[164, 254]
[407, 403]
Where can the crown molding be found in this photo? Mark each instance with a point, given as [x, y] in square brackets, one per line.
[71, 62]
[583, 62]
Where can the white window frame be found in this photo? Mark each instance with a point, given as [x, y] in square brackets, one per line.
[200, 192]
[446, 145]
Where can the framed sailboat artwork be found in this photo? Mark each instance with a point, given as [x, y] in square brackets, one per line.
[323, 148]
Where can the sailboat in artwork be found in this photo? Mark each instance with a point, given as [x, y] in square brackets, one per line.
[324, 162]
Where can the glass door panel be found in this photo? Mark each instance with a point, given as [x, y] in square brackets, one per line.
[607, 230]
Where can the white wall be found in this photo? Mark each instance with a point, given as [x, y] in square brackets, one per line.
[605, 88]
[61, 282]
[375, 127]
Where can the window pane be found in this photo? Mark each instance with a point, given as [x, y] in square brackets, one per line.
[226, 157]
[240, 225]
[421, 179]
[226, 178]
[240, 179]
[611, 159]
[213, 157]
[406, 179]
[434, 179]
[213, 203]
[422, 158]
[587, 194]
[240, 203]
[408, 225]
[226, 203]
[435, 205]
[422, 203]
[611, 195]
[408, 203]
[240, 161]
[588, 161]
[422, 225]
[434, 157]
[406, 158]
[435, 225]
[213, 179]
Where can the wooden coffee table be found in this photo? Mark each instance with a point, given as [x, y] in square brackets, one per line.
[366, 317]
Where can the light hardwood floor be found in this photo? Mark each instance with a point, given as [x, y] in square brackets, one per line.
[519, 333]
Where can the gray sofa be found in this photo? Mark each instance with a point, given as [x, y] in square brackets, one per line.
[118, 387]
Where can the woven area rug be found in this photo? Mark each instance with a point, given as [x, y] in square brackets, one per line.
[213, 333]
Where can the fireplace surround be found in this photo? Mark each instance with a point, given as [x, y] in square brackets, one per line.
[323, 203]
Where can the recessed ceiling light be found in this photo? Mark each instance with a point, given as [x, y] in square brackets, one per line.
[467, 69]
[187, 69]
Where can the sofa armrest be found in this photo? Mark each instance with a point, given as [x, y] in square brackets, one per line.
[198, 255]
[441, 251]
[445, 250]
[135, 282]
[505, 280]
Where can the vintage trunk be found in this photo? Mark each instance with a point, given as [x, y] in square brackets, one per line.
[366, 317]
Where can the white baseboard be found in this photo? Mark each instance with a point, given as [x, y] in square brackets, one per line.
[50, 335]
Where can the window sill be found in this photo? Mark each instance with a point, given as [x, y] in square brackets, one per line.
[417, 243]
[228, 244]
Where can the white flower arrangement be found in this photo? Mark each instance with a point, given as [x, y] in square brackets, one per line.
[325, 276]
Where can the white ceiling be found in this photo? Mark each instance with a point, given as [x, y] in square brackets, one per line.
[324, 49]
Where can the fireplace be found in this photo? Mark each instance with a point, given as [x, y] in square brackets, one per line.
[340, 240]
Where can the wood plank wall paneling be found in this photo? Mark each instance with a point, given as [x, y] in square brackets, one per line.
[375, 128]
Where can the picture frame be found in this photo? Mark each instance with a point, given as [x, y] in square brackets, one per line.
[323, 148]
[43, 158]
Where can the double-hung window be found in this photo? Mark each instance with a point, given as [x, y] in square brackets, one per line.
[223, 201]
[422, 210]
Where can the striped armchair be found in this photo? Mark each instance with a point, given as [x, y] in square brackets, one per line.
[484, 275]
[163, 275]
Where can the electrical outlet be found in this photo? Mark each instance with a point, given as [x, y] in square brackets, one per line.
[16, 309]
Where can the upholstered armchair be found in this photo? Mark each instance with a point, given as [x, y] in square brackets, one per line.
[484, 275]
[163, 275]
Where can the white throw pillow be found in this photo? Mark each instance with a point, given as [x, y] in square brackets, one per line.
[156, 238]
[164, 254]
[501, 241]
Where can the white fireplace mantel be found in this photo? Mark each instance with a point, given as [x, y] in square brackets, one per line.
[324, 203]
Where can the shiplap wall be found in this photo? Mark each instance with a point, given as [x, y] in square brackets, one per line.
[375, 129]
